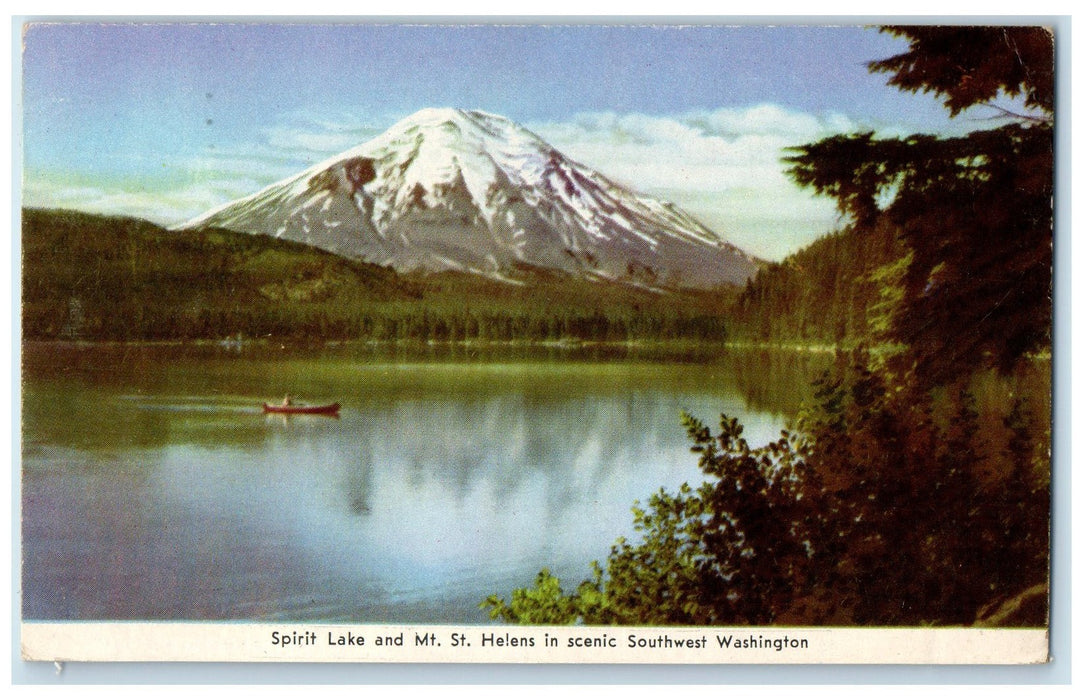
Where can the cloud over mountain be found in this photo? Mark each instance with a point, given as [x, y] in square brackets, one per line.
[724, 166]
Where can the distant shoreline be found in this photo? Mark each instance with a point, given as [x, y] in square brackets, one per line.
[812, 348]
[673, 346]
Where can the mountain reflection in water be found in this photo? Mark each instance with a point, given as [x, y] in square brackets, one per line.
[154, 488]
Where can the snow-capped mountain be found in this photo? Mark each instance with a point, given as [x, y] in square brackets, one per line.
[465, 190]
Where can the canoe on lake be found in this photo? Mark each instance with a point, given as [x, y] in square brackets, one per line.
[325, 410]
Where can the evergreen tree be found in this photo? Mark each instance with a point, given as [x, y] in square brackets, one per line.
[975, 211]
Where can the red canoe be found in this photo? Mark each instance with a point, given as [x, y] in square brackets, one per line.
[328, 410]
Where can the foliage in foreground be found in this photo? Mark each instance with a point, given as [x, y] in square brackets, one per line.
[885, 506]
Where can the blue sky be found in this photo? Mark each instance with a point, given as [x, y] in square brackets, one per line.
[164, 121]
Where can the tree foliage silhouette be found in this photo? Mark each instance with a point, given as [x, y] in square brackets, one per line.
[974, 210]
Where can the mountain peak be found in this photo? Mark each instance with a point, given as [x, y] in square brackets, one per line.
[432, 115]
[448, 188]
[462, 130]
[436, 116]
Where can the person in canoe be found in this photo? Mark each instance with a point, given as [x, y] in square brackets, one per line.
[288, 406]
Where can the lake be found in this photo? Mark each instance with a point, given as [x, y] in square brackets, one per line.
[154, 488]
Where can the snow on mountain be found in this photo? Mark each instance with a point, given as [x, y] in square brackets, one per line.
[466, 190]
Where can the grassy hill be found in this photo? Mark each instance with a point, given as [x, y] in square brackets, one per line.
[97, 277]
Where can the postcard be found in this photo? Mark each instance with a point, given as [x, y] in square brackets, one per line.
[628, 343]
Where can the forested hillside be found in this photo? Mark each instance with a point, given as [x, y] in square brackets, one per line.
[88, 277]
[842, 289]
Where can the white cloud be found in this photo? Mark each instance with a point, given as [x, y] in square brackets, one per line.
[723, 166]
[295, 140]
[314, 137]
[164, 206]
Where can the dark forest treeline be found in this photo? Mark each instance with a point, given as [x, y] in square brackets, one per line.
[841, 289]
[93, 277]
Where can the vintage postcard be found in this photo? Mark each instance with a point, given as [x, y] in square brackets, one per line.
[536, 343]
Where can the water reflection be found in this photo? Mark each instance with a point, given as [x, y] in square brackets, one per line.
[154, 488]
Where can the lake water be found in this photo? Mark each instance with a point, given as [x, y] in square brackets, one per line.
[153, 487]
